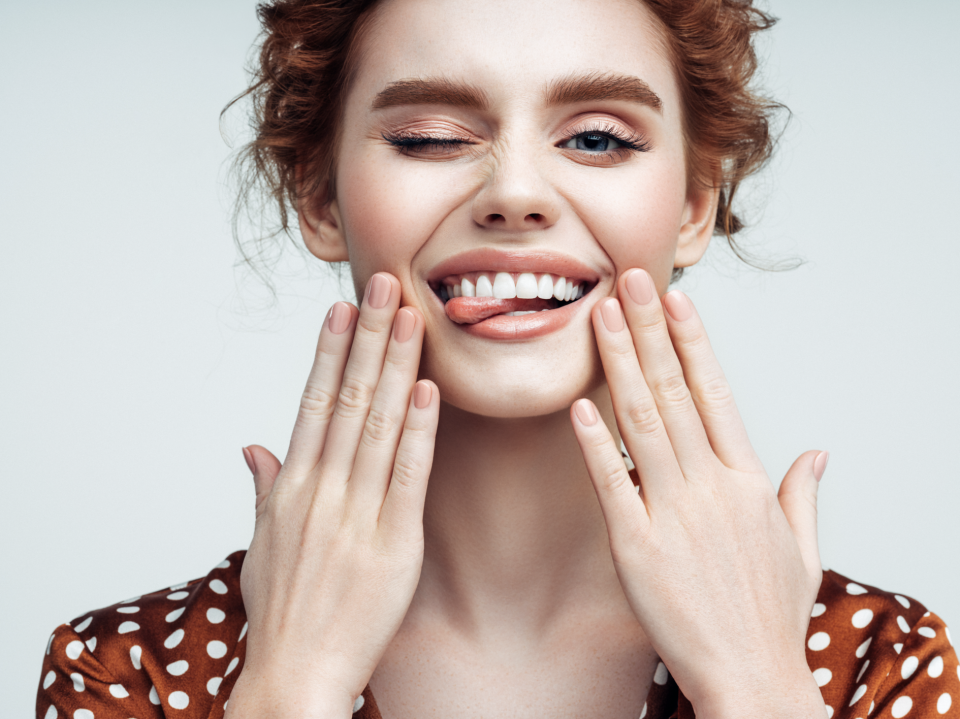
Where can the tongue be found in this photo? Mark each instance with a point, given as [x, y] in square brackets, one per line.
[470, 310]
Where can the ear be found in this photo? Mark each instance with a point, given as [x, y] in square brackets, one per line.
[699, 218]
[322, 227]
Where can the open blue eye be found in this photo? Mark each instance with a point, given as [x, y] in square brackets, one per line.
[592, 142]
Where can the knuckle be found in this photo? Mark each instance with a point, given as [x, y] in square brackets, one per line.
[317, 402]
[407, 469]
[671, 389]
[645, 419]
[381, 427]
[714, 392]
[355, 396]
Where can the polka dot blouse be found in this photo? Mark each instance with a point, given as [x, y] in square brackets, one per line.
[176, 653]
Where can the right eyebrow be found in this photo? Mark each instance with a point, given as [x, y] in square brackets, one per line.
[430, 92]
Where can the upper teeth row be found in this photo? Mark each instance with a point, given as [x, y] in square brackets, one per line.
[503, 287]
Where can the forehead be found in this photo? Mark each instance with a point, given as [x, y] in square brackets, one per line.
[513, 48]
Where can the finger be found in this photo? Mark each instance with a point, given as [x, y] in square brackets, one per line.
[638, 418]
[402, 510]
[708, 385]
[388, 411]
[265, 468]
[661, 369]
[623, 510]
[323, 386]
[361, 375]
[798, 500]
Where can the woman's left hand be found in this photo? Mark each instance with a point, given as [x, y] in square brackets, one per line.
[721, 572]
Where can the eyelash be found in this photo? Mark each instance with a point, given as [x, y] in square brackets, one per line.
[636, 142]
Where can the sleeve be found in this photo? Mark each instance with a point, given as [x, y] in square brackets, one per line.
[75, 685]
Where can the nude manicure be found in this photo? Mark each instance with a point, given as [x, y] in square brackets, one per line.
[339, 318]
[404, 325]
[678, 305]
[378, 292]
[612, 315]
[640, 287]
[820, 465]
[422, 393]
[585, 412]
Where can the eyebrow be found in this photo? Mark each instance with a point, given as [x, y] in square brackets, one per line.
[565, 91]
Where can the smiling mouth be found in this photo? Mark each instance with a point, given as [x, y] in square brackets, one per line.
[473, 297]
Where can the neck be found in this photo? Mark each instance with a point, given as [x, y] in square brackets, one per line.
[515, 542]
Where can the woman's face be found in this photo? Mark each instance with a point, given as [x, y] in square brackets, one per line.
[534, 136]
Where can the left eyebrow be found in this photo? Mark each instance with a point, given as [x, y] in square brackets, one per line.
[602, 86]
[430, 92]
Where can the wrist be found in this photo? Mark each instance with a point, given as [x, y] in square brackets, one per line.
[263, 697]
[793, 696]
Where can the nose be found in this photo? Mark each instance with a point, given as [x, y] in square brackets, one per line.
[516, 198]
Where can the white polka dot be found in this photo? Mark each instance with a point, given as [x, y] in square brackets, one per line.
[854, 588]
[943, 703]
[862, 649]
[243, 632]
[49, 679]
[903, 600]
[958, 671]
[135, 653]
[174, 639]
[119, 691]
[863, 669]
[901, 707]
[946, 630]
[92, 643]
[175, 614]
[77, 680]
[218, 586]
[83, 714]
[217, 649]
[128, 627]
[213, 686]
[75, 649]
[897, 648]
[177, 596]
[178, 669]
[51, 713]
[858, 695]
[357, 704]
[215, 616]
[49, 644]
[870, 710]
[819, 641]
[178, 700]
[178, 587]
[935, 668]
[928, 632]
[154, 697]
[83, 625]
[822, 676]
[829, 711]
[643, 712]
[232, 665]
[902, 623]
[224, 564]
[862, 618]
[660, 676]
[910, 665]
[818, 609]
[128, 610]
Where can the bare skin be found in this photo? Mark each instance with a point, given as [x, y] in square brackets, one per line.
[530, 579]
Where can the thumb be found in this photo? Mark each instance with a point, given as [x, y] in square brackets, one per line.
[265, 468]
[798, 500]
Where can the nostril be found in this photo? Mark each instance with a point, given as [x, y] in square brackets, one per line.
[536, 217]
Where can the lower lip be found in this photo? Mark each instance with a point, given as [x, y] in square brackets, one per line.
[524, 327]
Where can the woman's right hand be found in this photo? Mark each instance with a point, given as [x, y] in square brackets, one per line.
[338, 543]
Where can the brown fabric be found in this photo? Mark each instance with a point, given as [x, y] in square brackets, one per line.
[177, 653]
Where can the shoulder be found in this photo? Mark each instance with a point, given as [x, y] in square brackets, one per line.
[869, 649]
[171, 648]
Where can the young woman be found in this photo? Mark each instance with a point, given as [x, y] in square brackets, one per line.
[514, 185]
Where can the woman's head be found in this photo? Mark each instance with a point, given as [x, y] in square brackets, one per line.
[443, 139]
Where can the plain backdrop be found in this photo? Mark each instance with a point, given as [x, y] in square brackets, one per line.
[137, 358]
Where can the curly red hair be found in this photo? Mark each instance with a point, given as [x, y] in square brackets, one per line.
[308, 52]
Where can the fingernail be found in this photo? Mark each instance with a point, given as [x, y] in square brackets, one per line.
[422, 393]
[612, 315]
[248, 456]
[339, 318]
[678, 305]
[640, 287]
[378, 292]
[403, 325]
[820, 464]
[585, 412]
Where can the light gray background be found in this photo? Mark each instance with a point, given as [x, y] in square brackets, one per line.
[136, 361]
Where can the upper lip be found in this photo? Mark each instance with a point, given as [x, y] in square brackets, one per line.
[490, 259]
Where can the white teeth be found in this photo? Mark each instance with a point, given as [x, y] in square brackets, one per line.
[576, 292]
[520, 313]
[467, 288]
[503, 287]
[456, 290]
[544, 288]
[560, 288]
[526, 286]
[484, 288]
[583, 289]
[567, 292]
